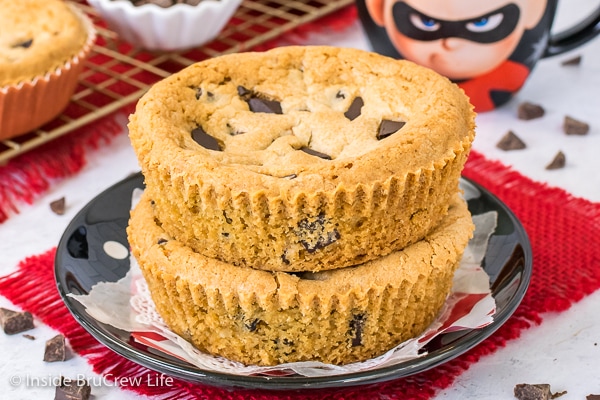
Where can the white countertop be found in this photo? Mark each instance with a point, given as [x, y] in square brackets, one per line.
[563, 351]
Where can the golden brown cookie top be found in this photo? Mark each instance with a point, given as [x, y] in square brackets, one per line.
[37, 37]
[318, 116]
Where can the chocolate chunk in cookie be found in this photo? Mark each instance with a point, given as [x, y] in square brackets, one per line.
[356, 329]
[259, 103]
[388, 128]
[25, 44]
[205, 140]
[315, 153]
[355, 109]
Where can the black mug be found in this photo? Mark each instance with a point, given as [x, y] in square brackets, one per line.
[487, 47]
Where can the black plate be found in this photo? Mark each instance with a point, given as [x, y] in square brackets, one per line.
[81, 262]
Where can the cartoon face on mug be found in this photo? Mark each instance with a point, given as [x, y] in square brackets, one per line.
[469, 42]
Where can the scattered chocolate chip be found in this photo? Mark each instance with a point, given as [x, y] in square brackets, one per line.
[510, 141]
[58, 206]
[592, 397]
[162, 241]
[571, 126]
[55, 349]
[73, 389]
[558, 161]
[529, 111]
[205, 140]
[355, 109]
[356, 327]
[572, 61]
[525, 391]
[30, 337]
[314, 234]
[15, 322]
[315, 153]
[24, 44]
[388, 127]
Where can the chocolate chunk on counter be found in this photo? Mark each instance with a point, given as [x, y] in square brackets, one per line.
[525, 391]
[572, 61]
[15, 322]
[73, 389]
[56, 349]
[58, 206]
[388, 128]
[572, 126]
[510, 141]
[592, 397]
[30, 337]
[205, 140]
[559, 161]
[355, 108]
[527, 111]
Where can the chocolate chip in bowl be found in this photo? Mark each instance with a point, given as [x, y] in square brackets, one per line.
[166, 25]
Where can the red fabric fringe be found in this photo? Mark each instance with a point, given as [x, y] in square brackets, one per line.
[559, 279]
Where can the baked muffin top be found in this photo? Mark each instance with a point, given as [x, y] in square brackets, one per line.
[37, 37]
[318, 116]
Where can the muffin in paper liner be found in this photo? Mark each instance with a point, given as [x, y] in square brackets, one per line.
[301, 158]
[173, 28]
[28, 102]
[267, 318]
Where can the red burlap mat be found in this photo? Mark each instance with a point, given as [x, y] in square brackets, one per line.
[563, 231]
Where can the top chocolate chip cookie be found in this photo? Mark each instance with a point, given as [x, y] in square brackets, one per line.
[302, 158]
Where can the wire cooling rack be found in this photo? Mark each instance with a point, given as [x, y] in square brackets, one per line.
[117, 75]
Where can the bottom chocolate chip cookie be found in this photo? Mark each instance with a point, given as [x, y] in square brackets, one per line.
[266, 318]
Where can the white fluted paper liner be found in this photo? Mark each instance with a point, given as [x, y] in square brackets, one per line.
[166, 29]
[127, 305]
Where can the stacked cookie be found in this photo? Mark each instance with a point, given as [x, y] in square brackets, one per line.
[301, 203]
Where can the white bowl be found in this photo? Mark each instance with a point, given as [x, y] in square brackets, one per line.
[173, 28]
